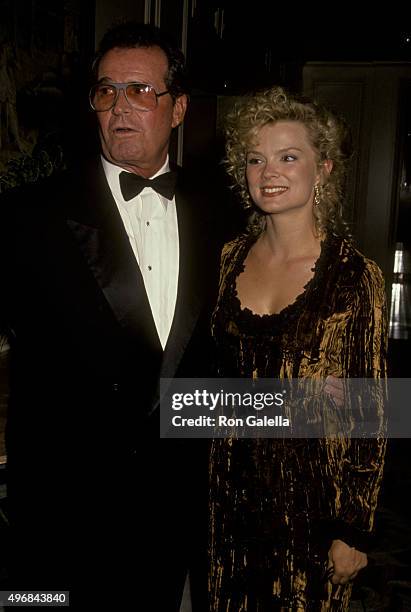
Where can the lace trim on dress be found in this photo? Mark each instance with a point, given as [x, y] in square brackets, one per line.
[275, 323]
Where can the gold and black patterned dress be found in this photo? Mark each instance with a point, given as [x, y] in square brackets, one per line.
[276, 504]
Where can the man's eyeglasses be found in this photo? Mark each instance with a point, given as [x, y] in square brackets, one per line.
[140, 96]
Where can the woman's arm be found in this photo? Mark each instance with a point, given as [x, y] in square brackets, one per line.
[364, 344]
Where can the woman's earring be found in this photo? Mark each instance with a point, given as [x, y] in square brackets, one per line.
[317, 198]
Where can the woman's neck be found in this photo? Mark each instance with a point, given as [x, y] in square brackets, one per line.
[290, 238]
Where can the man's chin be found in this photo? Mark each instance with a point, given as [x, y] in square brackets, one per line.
[121, 156]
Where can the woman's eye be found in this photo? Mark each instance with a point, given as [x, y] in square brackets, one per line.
[288, 158]
[253, 161]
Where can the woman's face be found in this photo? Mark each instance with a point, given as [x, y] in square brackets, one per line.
[282, 168]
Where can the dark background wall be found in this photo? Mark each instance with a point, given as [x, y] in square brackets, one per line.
[358, 64]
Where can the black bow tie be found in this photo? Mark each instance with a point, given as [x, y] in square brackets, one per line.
[131, 184]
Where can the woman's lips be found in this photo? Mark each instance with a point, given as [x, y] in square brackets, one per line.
[273, 190]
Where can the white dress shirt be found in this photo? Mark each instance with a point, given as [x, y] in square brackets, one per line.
[150, 221]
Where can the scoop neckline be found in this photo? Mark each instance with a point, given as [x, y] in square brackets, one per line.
[290, 308]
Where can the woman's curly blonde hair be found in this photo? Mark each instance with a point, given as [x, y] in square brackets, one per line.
[329, 137]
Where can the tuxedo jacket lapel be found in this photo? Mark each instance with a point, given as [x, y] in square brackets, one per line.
[189, 294]
[98, 229]
[99, 232]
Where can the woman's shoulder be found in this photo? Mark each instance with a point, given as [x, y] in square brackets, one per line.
[348, 258]
[356, 259]
[357, 271]
[235, 242]
[233, 255]
[234, 246]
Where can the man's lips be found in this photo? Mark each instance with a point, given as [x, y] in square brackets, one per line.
[123, 130]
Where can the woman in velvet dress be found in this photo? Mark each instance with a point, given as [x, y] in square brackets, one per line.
[291, 519]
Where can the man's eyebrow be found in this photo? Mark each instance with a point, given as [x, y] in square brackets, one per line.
[105, 79]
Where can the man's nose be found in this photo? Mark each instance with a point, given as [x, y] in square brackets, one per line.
[121, 105]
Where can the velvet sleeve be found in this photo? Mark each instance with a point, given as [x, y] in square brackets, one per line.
[361, 339]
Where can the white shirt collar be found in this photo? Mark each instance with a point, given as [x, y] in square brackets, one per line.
[112, 173]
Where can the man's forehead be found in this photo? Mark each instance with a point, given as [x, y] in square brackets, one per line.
[144, 64]
[135, 56]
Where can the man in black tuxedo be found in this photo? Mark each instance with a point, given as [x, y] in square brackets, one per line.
[109, 285]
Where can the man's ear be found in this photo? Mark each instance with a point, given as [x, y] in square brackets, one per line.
[179, 110]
